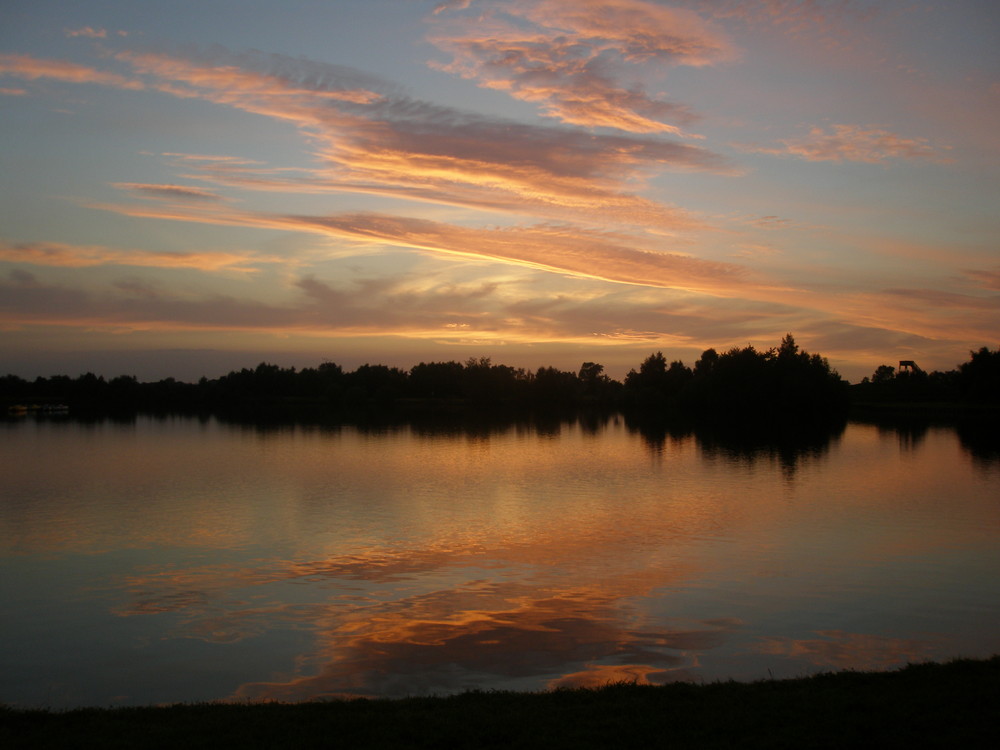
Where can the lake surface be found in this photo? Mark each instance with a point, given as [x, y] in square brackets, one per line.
[176, 559]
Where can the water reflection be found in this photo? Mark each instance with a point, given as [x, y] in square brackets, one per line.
[432, 422]
[836, 649]
[488, 633]
[981, 438]
[978, 433]
[787, 444]
[430, 555]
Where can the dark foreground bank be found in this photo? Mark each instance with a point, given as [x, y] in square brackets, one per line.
[955, 705]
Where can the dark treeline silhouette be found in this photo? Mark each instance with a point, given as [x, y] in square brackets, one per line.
[975, 382]
[740, 385]
[478, 382]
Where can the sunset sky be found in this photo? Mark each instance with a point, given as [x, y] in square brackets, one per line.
[194, 187]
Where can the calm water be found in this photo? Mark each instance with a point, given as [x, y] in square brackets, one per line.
[184, 560]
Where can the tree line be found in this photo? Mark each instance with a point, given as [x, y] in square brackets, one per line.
[776, 383]
[782, 381]
[477, 381]
[974, 382]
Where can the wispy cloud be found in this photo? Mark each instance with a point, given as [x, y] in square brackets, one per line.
[451, 5]
[32, 68]
[385, 306]
[88, 32]
[169, 192]
[237, 80]
[568, 56]
[986, 279]
[580, 193]
[559, 248]
[632, 260]
[372, 139]
[794, 15]
[82, 256]
[562, 249]
[871, 144]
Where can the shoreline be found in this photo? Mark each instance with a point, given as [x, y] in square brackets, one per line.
[949, 704]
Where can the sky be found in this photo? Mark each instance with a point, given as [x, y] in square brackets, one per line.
[189, 188]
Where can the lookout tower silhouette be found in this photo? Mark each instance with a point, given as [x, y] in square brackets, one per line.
[908, 365]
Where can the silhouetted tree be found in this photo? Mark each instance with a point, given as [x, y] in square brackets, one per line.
[437, 380]
[488, 383]
[706, 363]
[590, 373]
[675, 379]
[551, 386]
[595, 386]
[646, 387]
[980, 376]
[976, 381]
[378, 383]
[743, 383]
[883, 374]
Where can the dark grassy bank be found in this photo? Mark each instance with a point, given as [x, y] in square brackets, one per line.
[954, 705]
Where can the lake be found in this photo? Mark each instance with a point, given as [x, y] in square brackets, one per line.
[160, 560]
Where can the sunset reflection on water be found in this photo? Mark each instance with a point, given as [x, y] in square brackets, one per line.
[317, 562]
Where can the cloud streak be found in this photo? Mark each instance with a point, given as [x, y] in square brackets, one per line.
[374, 140]
[33, 68]
[566, 56]
[169, 192]
[88, 32]
[64, 255]
[629, 259]
[557, 248]
[870, 145]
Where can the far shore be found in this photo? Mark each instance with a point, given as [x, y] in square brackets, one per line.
[953, 705]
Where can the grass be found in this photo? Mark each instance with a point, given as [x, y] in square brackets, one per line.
[953, 705]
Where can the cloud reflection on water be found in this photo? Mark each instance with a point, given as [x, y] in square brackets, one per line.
[836, 649]
[488, 633]
[381, 632]
[514, 557]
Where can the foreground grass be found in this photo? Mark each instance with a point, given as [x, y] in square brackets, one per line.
[954, 705]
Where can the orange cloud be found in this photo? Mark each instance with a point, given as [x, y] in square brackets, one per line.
[554, 248]
[985, 279]
[371, 139]
[633, 259]
[477, 183]
[871, 145]
[559, 248]
[249, 89]
[565, 55]
[81, 256]
[388, 144]
[31, 68]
